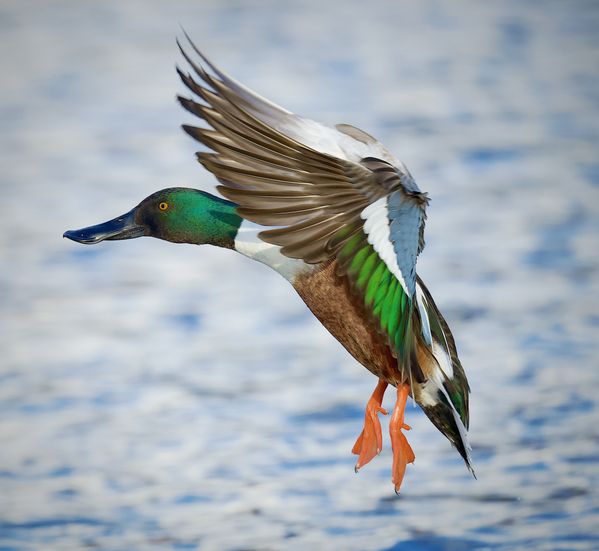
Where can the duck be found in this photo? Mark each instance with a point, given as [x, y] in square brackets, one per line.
[341, 219]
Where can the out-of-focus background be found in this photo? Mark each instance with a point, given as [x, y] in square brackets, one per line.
[155, 396]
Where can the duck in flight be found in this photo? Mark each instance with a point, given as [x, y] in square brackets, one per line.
[339, 217]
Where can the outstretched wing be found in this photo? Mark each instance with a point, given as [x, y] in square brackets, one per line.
[360, 210]
[344, 140]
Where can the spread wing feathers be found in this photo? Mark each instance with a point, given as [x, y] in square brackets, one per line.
[343, 141]
[319, 202]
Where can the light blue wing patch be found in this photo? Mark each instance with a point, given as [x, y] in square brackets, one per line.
[406, 223]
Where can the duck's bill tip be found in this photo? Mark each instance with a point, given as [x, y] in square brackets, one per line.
[122, 227]
[80, 236]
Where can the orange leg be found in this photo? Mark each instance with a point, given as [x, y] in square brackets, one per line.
[402, 451]
[370, 441]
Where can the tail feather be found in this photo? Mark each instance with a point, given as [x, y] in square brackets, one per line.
[446, 419]
[443, 396]
[458, 387]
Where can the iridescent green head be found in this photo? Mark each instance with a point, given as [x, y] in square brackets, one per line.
[180, 215]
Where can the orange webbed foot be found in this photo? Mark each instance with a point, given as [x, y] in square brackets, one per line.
[402, 451]
[370, 442]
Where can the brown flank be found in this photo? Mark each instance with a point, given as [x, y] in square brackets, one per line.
[329, 298]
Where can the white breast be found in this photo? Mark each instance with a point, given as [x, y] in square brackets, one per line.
[249, 244]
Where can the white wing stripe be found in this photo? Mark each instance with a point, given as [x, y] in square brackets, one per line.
[426, 325]
[376, 227]
[443, 360]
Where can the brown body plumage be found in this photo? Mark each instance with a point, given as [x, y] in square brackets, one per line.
[330, 299]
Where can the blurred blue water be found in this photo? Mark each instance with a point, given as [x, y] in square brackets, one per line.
[155, 396]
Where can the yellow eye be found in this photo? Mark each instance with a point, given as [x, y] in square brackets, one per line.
[163, 206]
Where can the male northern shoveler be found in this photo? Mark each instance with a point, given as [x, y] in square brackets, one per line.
[348, 224]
